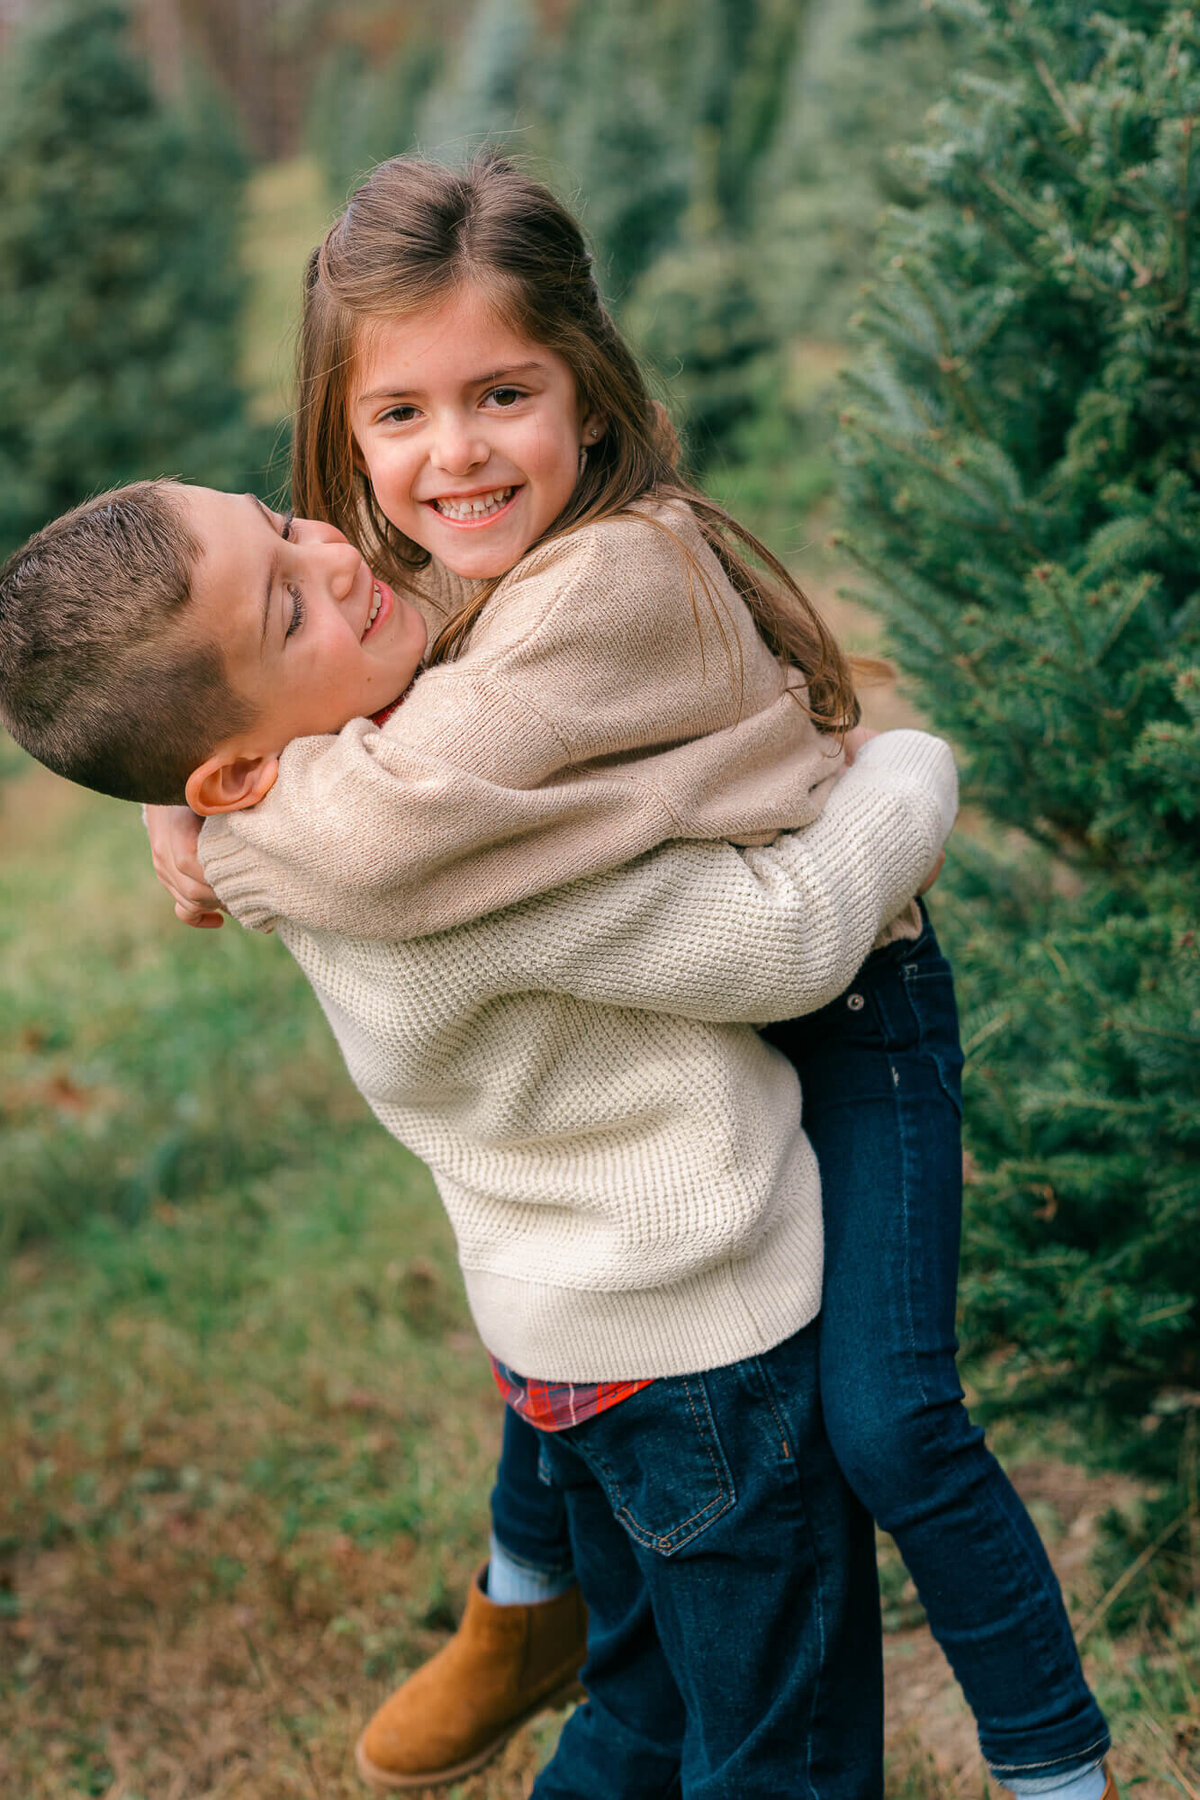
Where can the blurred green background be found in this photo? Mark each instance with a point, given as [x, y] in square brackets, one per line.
[248, 1433]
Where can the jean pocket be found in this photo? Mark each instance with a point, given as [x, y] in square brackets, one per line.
[659, 1459]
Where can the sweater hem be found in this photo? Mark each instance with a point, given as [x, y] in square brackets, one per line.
[736, 1310]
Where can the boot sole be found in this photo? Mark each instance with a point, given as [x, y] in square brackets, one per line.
[385, 1782]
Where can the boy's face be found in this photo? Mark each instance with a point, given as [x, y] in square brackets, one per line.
[310, 637]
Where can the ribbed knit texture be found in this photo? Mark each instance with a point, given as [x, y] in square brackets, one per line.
[620, 1155]
[609, 699]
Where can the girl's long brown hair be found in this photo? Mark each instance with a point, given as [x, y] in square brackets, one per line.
[413, 234]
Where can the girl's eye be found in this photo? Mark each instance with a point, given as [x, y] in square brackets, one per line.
[297, 618]
[399, 415]
[285, 530]
[506, 396]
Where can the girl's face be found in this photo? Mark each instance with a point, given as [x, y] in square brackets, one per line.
[470, 434]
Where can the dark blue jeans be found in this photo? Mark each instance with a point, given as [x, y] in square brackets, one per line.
[729, 1573]
[880, 1071]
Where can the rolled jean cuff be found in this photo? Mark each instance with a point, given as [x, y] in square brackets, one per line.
[563, 1569]
[1071, 1762]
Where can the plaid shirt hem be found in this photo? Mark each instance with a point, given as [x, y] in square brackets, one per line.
[555, 1405]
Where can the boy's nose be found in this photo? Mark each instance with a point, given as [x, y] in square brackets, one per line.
[343, 564]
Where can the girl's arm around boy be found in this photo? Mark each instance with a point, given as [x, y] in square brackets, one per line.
[710, 932]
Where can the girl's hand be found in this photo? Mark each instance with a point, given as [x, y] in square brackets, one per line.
[174, 834]
[855, 740]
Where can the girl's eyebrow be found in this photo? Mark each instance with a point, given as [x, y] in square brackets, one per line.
[489, 380]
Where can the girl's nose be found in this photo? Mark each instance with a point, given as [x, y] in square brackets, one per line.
[457, 446]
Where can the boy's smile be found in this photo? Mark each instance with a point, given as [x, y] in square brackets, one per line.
[469, 433]
[310, 637]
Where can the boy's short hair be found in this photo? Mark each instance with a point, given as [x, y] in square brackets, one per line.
[97, 678]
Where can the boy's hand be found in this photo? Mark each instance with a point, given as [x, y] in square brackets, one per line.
[174, 834]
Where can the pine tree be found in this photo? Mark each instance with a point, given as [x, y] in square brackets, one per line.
[482, 93]
[119, 288]
[612, 94]
[696, 305]
[1021, 478]
[360, 114]
[793, 108]
[867, 73]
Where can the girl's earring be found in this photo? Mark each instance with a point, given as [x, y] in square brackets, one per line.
[582, 458]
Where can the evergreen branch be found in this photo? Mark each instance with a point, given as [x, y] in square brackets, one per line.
[1143, 275]
[951, 367]
[1134, 604]
[1056, 94]
[1009, 201]
[885, 581]
[1002, 528]
[978, 1038]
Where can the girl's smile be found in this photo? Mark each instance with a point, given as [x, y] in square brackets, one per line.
[471, 510]
[469, 433]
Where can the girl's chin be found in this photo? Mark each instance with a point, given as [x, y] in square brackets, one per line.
[476, 560]
[480, 568]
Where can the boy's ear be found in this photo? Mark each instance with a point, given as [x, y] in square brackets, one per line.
[229, 783]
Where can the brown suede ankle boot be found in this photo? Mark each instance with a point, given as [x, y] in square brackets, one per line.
[503, 1665]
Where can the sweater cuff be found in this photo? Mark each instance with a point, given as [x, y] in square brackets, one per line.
[232, 870]
[916, 756]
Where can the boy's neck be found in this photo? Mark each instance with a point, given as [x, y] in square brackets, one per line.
[385, 712]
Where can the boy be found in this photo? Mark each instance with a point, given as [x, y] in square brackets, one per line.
[621, 1155]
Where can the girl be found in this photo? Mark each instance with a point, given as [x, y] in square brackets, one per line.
[471, 420]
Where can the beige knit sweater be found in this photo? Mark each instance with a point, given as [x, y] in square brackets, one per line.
[606, 703]
[621, 1156]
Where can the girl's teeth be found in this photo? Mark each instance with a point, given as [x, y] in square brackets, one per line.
[376, 603]
[476, 508]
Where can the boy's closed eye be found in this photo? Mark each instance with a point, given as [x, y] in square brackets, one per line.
[297, 618]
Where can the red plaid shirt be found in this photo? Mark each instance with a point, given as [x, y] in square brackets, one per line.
[553, 1405]
[385, 712]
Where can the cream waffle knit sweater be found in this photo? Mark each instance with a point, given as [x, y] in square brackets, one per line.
[621, 1156]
